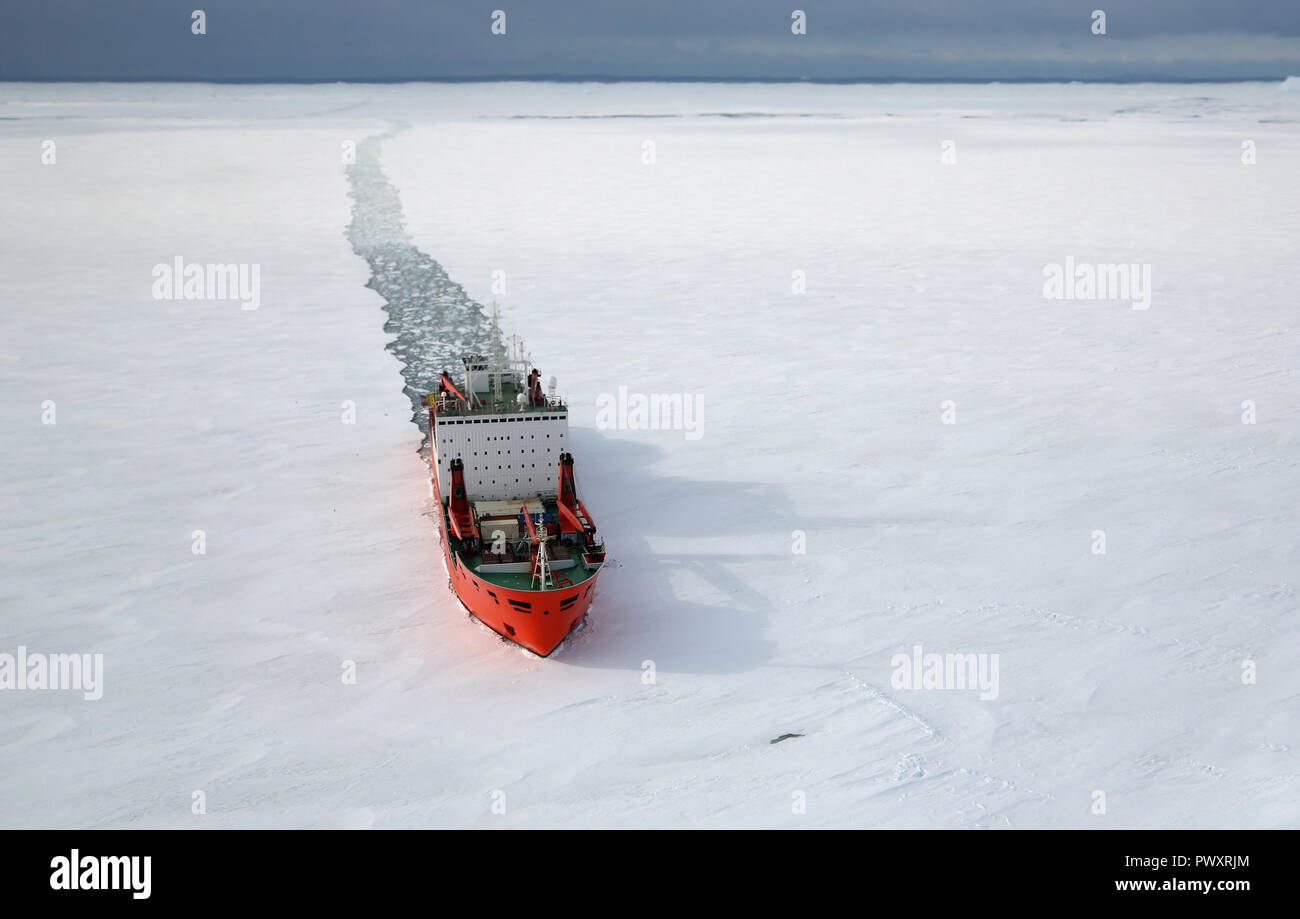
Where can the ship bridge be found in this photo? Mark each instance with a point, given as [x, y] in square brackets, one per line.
[497, 419]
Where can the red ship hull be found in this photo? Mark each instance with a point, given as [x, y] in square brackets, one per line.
[536, 619]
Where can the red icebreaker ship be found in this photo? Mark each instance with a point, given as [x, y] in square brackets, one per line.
[521, 549]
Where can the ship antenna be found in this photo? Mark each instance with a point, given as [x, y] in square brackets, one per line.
[496, 357]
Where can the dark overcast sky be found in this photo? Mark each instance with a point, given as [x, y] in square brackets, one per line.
[846, 39]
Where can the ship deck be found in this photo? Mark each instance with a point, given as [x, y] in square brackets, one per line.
[576, 575]
[511, 580]
[485, 404]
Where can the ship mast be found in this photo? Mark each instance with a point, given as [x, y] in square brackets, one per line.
[498, 362]
[541, 565]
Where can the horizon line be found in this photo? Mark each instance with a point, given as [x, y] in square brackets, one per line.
[606, 78]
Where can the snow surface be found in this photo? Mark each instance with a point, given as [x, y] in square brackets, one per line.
[1119, 673]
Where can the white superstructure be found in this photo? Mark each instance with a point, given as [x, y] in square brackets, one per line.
[509, 455]
[508, 432]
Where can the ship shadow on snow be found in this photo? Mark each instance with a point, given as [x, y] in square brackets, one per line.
[637, 614]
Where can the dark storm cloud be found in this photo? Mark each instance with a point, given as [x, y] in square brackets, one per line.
[413, 39]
